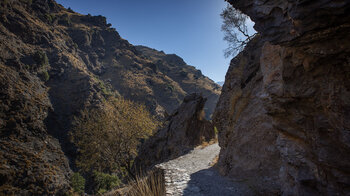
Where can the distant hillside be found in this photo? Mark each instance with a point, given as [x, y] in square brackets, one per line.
[55, 62]
[188, 78]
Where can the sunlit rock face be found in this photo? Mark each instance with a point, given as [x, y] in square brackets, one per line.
[301, 88]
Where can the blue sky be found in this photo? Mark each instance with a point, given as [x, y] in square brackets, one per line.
[188, 28]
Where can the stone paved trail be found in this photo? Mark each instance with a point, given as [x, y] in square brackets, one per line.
[192, 175]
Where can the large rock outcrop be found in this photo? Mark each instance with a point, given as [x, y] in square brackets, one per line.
[301, 90]
[246, 135]
[185, 129]
[285, 21]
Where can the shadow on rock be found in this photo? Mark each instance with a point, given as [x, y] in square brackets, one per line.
[186, 128]
[210, 182]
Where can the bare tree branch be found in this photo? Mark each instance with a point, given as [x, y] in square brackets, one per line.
[235, 30]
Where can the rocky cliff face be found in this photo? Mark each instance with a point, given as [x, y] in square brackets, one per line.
[246, 135]
[190, 79]
[55, 62]
[300, 90]
[31, 161]
[185, 129]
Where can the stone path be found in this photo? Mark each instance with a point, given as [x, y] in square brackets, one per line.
[192, 175]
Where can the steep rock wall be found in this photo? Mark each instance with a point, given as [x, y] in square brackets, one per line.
[185, 129]
[305, 68]
[246, 135]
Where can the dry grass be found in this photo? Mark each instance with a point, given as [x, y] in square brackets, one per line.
[150, 185]
[205, 143]
[214, 161]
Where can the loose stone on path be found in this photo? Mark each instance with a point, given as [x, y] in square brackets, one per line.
[193, 175]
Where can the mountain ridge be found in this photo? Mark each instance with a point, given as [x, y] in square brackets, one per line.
[55, 63]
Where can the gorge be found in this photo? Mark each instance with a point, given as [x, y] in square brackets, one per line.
[282, 116]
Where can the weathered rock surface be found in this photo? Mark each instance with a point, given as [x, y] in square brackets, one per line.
[302, 88]
[185, 129]
[54, 63]
[246, 135]
[188, 77]
[292, 21]
[31, 161]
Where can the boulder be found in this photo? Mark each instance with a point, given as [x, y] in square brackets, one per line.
[185, 129]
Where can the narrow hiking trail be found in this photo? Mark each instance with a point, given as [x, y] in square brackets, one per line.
[193, 175]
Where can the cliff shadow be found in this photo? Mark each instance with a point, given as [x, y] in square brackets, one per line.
[210, 182]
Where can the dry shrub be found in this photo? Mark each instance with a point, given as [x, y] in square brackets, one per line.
[107, 138]
[205, 143]
[214, 161]
[151, 185]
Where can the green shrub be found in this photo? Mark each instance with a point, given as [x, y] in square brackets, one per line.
[105, 88]
[78, 183]
[50, 17]
[216, 130]
[45, 75]
[108, 138]
[105, 182]
[41, 59]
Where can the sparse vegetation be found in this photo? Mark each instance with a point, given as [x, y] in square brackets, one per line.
[106, 89]
[215, 161]
[107, 138]
[216, 130]
[208, 143]
[50, 17]
[151, 184]
[75, 45]
[42, 64]
[78, 183]
[104, 182]
[41, 59]
[235, 30]
[45, 75]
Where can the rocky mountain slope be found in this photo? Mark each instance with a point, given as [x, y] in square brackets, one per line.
[190, 79]
[55, 62]
[283, 115]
